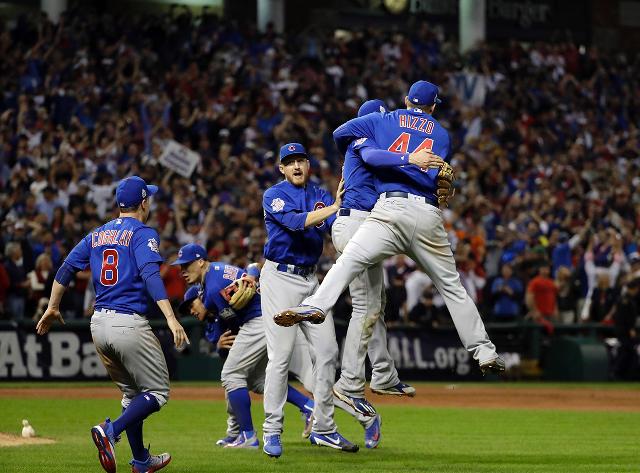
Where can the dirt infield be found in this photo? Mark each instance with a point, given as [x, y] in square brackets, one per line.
[9, 440]
[454, 395]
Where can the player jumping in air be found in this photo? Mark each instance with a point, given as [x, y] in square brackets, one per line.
[405, 220]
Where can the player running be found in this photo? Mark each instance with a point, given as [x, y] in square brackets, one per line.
[231, 307]
[405, 220]
[124, 259]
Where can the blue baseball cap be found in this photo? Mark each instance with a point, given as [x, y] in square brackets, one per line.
[190, 252]
[372, 106]
[424, 93]
[192, 293]
[133, 190]
[292, 149]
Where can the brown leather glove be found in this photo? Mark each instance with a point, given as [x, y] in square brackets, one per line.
[445, 189]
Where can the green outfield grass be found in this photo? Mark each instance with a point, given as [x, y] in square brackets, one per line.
[414, 439]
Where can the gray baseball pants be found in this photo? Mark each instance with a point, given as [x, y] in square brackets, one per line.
[280, 290]
[367, 332]
[132, 355]
[412, 227]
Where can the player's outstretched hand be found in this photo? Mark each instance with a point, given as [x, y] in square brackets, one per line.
[226, 340]
[179, 335]
[48, 318]
[425, 159]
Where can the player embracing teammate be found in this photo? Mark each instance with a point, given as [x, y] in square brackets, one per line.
[388, 204]
[406, 218]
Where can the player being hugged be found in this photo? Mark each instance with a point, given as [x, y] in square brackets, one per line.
[297, 214]
[406, 218]
[124, 259]
[228, 302]
[367, 332]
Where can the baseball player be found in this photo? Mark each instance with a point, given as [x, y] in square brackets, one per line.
[232, 308]
[367, 291]
[297, 213]
[405, 220]
[124, 260]
[301, 367]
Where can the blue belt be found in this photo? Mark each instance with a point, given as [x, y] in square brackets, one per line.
[114, 311]
[405, 195]
[297, 270]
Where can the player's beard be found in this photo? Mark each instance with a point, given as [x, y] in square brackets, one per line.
[300, 180]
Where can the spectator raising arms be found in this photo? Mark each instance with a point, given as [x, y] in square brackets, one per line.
[547, 161]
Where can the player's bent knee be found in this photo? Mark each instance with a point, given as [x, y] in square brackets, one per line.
[162, 396]
[126, 400]
[232, 383]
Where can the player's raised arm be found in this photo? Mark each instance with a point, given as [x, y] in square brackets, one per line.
[318, 216]
[381, 158]
[360, 127]
[277, 204]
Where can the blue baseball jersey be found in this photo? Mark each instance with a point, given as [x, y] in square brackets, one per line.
[116, 253]
[217, 290]
[285, 210]
[400, 131]
[360, 191]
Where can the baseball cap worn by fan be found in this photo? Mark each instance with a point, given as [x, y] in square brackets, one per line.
[189, 253]
[292, 149]
[423, 93]
[189, 297]
[133, 190]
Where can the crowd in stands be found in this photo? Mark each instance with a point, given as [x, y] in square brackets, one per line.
[544, 225]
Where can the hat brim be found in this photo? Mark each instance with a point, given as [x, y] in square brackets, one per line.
[152, 189]
[185, 306]
[183, 261]
[293, 155]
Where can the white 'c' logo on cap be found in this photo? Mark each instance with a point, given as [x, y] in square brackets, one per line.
[291, 148]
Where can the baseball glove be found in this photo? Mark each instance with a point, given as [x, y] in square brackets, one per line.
[445, 189]
[245, 291]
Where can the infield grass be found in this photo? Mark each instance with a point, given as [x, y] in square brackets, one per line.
[413, 439]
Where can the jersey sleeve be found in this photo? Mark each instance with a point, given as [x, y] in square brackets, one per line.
[361, 127]
[217, 288]
[146, 247]
[328, 200]
[213, 330]
[276, 205]
[80, 256]
[380, 158]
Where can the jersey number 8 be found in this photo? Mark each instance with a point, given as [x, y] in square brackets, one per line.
[109, 271]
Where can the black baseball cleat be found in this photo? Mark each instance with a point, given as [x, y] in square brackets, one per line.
[495, 365]
[295, 315]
